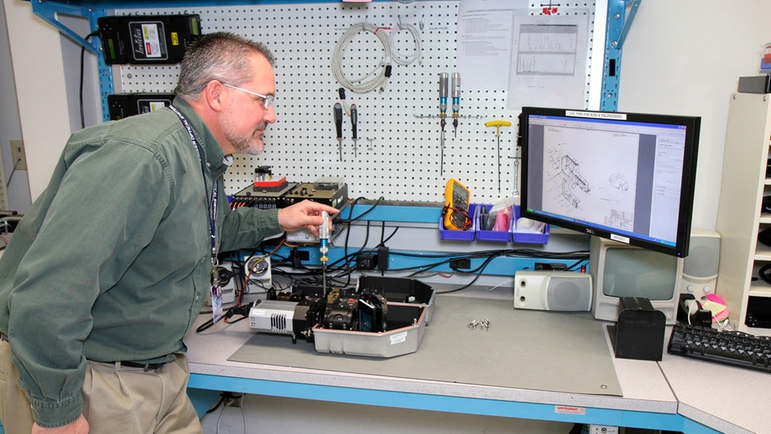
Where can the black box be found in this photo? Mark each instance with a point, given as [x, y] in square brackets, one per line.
[329, 193]
[755, 84]
[123, 105]
[687, 314]
[758, 314]
[639, 332]
[148, 39]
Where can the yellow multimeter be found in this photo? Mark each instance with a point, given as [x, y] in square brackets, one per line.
[456, 206]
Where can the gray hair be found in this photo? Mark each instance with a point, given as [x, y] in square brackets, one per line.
[219, 56]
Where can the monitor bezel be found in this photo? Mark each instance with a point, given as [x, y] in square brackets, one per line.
[692, 126]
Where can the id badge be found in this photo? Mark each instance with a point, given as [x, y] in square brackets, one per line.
[216, 302]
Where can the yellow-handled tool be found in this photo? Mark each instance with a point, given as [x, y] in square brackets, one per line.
[498, 124]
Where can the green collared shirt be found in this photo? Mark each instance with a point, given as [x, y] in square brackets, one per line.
[112, 261]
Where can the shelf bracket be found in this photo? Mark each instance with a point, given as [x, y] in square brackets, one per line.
[49, 12]
[619, 22]
[635, 4]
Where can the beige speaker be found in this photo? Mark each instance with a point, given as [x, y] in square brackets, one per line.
[700, 266]
[552, 290]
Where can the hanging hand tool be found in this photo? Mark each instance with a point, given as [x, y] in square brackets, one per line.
[455, 102]
[339, 127]
[354, 135]
[443, 78]
[498, 124]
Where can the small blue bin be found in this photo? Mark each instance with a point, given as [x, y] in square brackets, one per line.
[467, 235]
[483, 235]
[527, 238]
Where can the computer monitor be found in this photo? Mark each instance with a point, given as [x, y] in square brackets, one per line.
[626, 179]
[620, 270]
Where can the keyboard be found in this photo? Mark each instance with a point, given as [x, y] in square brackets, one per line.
[726, 347]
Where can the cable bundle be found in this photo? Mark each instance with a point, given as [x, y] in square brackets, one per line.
[416, 37]
[381, 72]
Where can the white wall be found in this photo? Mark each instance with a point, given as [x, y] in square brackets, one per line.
[10, 128]
[685, 57]
[41, 91]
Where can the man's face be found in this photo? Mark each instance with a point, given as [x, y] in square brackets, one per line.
[245, 119]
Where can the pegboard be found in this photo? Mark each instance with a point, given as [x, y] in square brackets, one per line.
[397, 156]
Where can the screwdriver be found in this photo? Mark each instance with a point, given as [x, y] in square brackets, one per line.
[339, 127]
[354, 120]
[498, 124]
[455, 102]
[324, 248]
[443, 78]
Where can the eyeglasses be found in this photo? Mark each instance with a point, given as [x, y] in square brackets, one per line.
[267, 100]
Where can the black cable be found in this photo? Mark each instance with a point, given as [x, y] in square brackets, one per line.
[390, 236]
[225, 398]
[468, 285]
[82, 56]
[351, 220]
[13, 170]
[763, 273]
[216, 404]
[341, 270]
[235, 310]
[577, 263]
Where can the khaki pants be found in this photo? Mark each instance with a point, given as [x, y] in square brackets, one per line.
[116, 399]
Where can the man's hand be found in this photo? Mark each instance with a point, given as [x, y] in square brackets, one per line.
[80, 426]
[306, 214]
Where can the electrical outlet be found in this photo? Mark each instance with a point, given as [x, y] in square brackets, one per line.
[603, 429]
[460, 264]
[366, 261]
[18, 155]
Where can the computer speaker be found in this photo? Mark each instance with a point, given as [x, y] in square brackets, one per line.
[701, 264]
[552, 290]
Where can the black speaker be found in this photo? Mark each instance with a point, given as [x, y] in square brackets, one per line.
[700, 266]
[552, 290]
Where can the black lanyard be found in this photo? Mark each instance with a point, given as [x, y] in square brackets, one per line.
[211, 206]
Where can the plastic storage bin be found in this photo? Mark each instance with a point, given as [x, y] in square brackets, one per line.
[484, 235]
[528, 238]
[467, 235]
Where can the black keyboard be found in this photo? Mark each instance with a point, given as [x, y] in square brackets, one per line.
[727, 347]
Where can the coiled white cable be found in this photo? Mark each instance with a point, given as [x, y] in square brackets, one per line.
[418, 46]
[375, 80]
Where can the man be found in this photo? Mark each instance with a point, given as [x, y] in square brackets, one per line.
[111, 265]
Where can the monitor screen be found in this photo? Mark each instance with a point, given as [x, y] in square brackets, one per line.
[628, 177]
